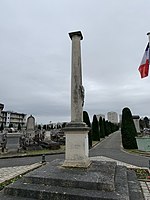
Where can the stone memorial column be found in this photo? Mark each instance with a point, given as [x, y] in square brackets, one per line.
[76, 132]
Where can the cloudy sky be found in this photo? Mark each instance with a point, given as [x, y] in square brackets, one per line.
[35, 56]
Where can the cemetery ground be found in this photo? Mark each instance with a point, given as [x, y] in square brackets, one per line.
[106, 148]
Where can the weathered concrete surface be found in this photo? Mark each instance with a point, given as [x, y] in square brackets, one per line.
[101, 181]
[77, 150]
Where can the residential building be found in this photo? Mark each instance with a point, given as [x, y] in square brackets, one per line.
[112, 117]
[13, 118]
[100, 115]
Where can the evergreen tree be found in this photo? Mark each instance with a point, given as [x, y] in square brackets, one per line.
[142, 124]
[10, 125]
[104, 124]
[88, 123]
[45, 126]
[1, 127]
[146, 120]
[95, 129]
[108, 128]
[19, 127]
[101, 126]
[128, 130]
[39, 127]
[64, 124]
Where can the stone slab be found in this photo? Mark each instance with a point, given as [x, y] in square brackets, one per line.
[134, 185]
[6, 197]
[44, 192]
[99, 176]
[101, 181]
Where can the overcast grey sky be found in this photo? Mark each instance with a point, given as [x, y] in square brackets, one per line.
[35, 56]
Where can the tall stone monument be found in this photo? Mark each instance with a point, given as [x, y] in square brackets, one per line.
[76, 132]
[76, 178]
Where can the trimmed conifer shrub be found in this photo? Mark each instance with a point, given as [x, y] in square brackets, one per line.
[101, 126]
[1, 127]
[128, 130]
[19, 127]
[86, 119]
[95, 129]
[108, 128]
[104, 124]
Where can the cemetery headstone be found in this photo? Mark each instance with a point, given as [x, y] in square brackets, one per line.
[30, 131]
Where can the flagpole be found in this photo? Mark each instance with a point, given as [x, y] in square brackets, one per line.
[148, 34]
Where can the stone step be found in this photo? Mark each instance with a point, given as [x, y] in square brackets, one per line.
[99, 176]
[55, 182]
[135, 191]
[7, 197]
[44, 192]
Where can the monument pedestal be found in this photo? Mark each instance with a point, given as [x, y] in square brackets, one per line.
[100, 181]
[77, 149]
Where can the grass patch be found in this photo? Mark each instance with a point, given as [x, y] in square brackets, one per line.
[45, 151]
[4, 184]
[141, 173]
[136, 151]
[94, 142]
[34, 152]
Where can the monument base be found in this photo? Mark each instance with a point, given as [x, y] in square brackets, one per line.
[77, 145]
[74, 163]
[100, 181]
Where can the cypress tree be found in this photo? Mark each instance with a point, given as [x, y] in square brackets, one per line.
[86, 119]
[39, 127]
[101, 125]
[95, 129]
[104, 124]
[1, 127]
[19, 127]
[146, 120]
[106, 128]
[128, 130]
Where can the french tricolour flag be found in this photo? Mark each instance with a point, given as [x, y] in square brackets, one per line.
[144, 67]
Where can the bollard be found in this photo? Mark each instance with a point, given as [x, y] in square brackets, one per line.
[43, 158]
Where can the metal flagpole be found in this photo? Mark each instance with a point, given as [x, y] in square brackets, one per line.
[148, 36]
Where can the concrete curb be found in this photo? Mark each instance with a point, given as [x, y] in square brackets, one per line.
[26, 155]
[132, 153]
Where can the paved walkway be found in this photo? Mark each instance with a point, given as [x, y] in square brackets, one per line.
[9, 173]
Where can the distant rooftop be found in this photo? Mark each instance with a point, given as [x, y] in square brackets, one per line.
[135, 116]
